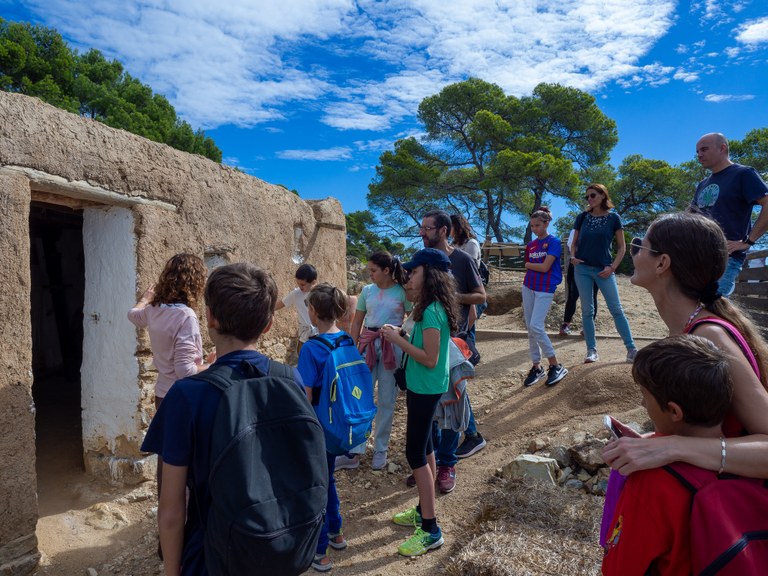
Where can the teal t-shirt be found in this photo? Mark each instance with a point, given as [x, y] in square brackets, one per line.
[421, 379]
[381, 307]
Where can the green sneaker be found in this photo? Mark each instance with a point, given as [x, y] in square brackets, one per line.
[410, 517]
[421, 542]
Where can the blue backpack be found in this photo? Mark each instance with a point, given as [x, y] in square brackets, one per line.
[345, 406]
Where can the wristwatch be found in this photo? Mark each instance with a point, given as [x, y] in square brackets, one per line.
[748, 241]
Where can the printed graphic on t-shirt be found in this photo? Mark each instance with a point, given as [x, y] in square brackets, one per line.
[616, 533]
[539, 255]
[708, 196]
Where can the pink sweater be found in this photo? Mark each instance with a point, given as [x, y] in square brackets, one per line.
[177, 346]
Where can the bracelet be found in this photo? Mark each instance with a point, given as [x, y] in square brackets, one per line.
[722, 456]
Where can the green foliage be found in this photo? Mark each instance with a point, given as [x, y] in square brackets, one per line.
[752, 151]
[36, 61]
[362, 240]
[487, 155]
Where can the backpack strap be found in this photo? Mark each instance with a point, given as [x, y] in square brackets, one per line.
[343, 340]
[735, 335]
[219, 375]
[692, 477]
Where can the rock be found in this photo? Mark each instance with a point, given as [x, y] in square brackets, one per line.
[579, 437]
[532, 467]
[92, 572]
[584, 476]
[392, 467]
[574, 484]
[105, 517]
[564, 474]
[561, 455]
[587, 454]
[537, 444]
[600, 487]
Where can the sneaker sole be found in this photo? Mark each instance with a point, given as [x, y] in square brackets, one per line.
[335, 546]
[474, 450]
[432, 546]
[443, 491]
[379, 467]
[534, 382]
[563, 374]
[348, 467]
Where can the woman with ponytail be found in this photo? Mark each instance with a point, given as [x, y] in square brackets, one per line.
[679, 262]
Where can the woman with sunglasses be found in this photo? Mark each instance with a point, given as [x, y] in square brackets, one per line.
[679, 262]
[595, 230]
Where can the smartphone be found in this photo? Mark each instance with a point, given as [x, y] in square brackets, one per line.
[608, 423]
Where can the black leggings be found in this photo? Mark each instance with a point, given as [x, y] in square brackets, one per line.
[418, 431]
[573, 296]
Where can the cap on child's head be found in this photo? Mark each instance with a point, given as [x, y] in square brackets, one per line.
[429, 257]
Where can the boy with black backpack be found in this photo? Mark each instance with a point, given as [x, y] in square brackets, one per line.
[681, 519]
[243, 439]
[338, 384]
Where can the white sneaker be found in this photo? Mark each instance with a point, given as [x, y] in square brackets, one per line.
[345, 462]
[379, 460]
[591, 356]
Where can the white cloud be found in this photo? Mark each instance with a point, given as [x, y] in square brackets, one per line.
[719, 98]
[365, 64]
[329, 154]
[686, 76]
[755, 32]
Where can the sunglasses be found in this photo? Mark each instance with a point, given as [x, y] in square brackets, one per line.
[428, 228]
[636, 244]
[590, 196]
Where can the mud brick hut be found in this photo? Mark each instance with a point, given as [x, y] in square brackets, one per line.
[89, 216]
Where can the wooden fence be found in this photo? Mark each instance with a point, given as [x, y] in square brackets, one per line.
[752, 289]
[506, 256]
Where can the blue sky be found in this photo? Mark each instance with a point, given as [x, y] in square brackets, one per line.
[309, 93]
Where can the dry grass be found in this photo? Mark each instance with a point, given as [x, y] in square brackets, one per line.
[522, 529]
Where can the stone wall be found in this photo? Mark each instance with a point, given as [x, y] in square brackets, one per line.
[174, 202]
[18, 495]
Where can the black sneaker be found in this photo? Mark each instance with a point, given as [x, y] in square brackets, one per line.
[534, 376]
[471, 445]
[555, 374]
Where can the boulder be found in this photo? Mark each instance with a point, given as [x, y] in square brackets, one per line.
[532, 467]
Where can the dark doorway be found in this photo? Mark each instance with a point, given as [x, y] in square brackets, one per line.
[58, 287]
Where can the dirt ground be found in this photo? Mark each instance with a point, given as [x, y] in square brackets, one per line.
[86, 524]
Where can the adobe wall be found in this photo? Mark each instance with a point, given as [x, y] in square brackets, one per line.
[174, 202]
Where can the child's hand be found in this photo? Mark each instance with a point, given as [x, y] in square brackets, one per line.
[390, 333]
[211, 358]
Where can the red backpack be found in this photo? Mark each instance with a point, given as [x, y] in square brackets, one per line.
[729, 521]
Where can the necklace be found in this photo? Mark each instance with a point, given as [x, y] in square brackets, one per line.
[695, 313]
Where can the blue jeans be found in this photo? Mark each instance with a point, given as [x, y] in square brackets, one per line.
[480, 308]
[727, 281]
[386, 397]
[332, 524]
[587, 275]
[472, 426]
[535, 308]
[445, 442]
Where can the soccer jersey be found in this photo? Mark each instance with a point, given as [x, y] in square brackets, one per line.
[536, 252]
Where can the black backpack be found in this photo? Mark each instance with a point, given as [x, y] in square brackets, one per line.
[268, 479]
[485, 273]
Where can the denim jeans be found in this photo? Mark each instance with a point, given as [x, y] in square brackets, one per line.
[386, 396]
[445, 442]
[727, 281]
[332, 524]
[587, 275]
[535, 308]
[472, 426]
